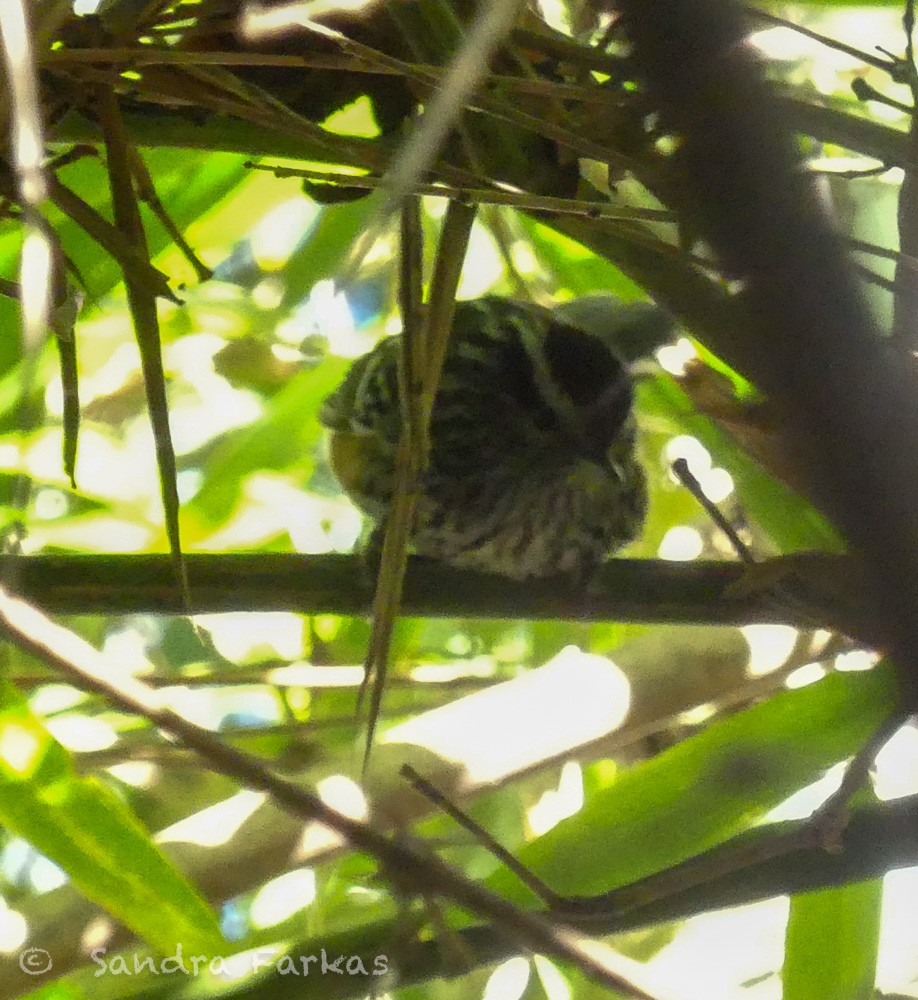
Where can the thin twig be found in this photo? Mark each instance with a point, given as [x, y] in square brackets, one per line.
[687, 478]
[435, 796]
[872, 278]
[884, 252]
[863, 91]
[832, 816]
[482, 196]
[849, 50]
[147, 191]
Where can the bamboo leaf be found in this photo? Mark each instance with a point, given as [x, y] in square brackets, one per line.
[832, 943]
[86, 829]
[709, 787]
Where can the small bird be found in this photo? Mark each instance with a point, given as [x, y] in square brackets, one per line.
[532, 469]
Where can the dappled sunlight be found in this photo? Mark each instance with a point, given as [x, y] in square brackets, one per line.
[112, 374]
[245, 704]
[128, 646]
[96, 934]
[253, 524]
[282, 897]
[806, 801]
[82, 733]
[692, 451]
[509, 980]
[136, 773]
[809, 673]
[98, 458]
[524, 259]
[315, 524]
[857, 659]
[326, 309]
[245, 636]
[45, 875]
[216, 824]
[259, 21]
[598, 735]
[14, 929]
[316, 841]
[22, 748]
[306, 675]
[716, 484]
[675, 358]
[482, 263]
[24, 866]
[37, 271]
[442, 673]
[276, 236]
[51, 698]
[681, 544]
[717, 954]
[344, 795]
[268, 293]
[553, 982]
[547, 712]
[353, 119]
[898, 958]
[769, 647]
[558, 803]
[120, 534]
[897, 765]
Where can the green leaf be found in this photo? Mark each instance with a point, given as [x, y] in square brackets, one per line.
[284, 437]
[832, 942]
[577, 268]
[86, 829]
[709, 787]
[319, 256]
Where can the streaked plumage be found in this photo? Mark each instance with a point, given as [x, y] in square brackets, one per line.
[532, 467]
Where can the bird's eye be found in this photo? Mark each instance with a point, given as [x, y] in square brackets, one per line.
[582, 367]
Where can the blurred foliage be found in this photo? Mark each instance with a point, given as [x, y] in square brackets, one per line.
[249, 356]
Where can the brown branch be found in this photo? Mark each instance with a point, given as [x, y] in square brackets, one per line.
[639, 590]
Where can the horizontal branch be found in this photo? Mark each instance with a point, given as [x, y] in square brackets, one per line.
[628, 590]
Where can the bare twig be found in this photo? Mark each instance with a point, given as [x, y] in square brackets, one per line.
[435, 796]
[687, 477]
[147, 191]
[483, 196]
[849, 50]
